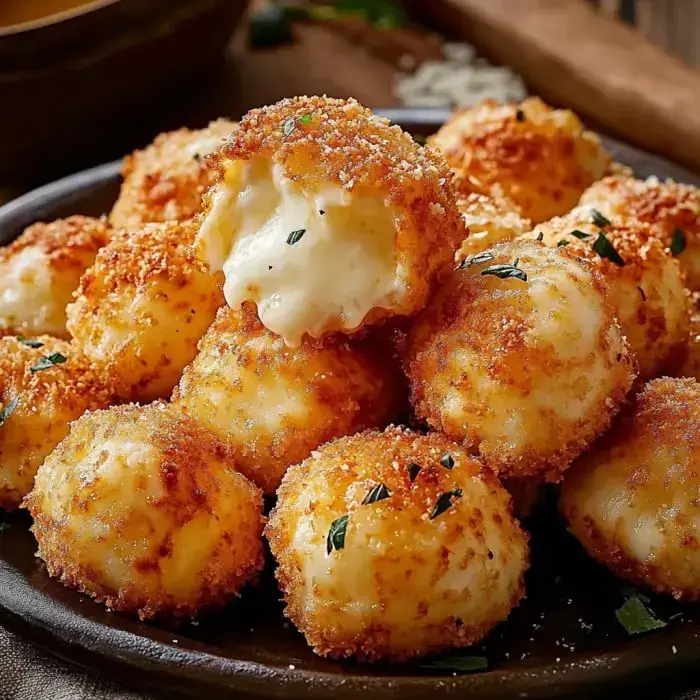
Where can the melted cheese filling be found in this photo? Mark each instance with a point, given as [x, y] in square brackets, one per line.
[312, 261]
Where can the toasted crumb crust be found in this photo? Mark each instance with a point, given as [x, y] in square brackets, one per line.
[166, 180]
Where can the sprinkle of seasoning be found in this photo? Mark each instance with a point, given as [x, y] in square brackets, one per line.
[540, 237]
[561, 244]
[580, 234]
[29, 342]
[288, 126]
[377, 493]
[321, 212]
[444, 501]
[520, 115]
[637, 618]
[506, 271]
[336, 534]
[477, 259]
[413, 470]
[305, 119]
[677, 243]
[197, 157]
[8, 409]
[605, 249]
[48, 361]
[447, 460]
[642, 294]
[295, 236]
[463, 664]
[598, 219]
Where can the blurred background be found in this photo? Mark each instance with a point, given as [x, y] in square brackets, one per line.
[82, 82]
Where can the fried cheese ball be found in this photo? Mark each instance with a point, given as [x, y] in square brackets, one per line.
[394, 545]
[633, 501]
[144, 511]
[272, 405]
[519, 356]
[41, 269]
[166, 180]
[327, 218]
[489, 220]
[689, 365]
[541, 158]
[44, 385]
[671, 208]
[645, 282]
[142, 307]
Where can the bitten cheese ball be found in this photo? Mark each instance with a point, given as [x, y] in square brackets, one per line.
[40, 271]
[633, 501]
[45, 384]
[144, 511]
[327, 217]
[393, 545]
[166, 180]
[519, 356]
[645, 282]
[671, 208]
[142, 307]
[272, 404]
[541, 158]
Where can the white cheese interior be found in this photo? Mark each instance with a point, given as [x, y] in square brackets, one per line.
[341, 266]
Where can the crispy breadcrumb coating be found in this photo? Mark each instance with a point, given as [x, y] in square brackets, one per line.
[144, 511]
[634, 500]
[272, 405]
[668, 206]
[431, 557]
[647, 290]
[165, 181]
[327, 217]
[527, 373]
[142, 307]
[541, 158]
[689, 365]
[37, 406]
[41, 269]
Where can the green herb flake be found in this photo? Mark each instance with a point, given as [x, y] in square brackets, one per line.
[447, 460]
[288, 126]
[637, 618]
[561, 244]
[29, 342]
[540, 237]
[506, 271]
[463, 664]
[413, 470]
[419, 139]
[520, 115]
[580, 234]
[606, 250]
[306, 119]
[444, 501]
[295, 236]
[598, 219]
[8, 409]
[678, 242]
[4, 527]
[376, 493]
[48, 361]
[477, 259]
[336, 534]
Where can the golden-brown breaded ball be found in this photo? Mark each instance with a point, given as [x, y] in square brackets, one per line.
[671, 208]
[489, 220]
[142, 307]
[272, 404]
[327, 217]
[394, 545]
[634, 500]
[645, 282]
[542, 158]
[689, 361]
[144, 511]
[165, 181]
[520, 357]
[45, 384]
[41, 269]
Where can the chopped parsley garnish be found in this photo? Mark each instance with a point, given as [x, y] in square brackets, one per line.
[520, 115]
[295, 236]
[678, 242]
[8, 409]
[444, 501]
[465, 664]
[447, 460]
[305, 119]
[413, 470]
[475, 260]
[419, 139]
[336, 534]
[540, 237]
[580, 234]
[4, 527]
[605, 249]
[377, 493]
[48, 361]
[288, 126]
[561, 244]
[506, 271]
[598, 219]
[642, 294]
[29, 342]
[637, 618]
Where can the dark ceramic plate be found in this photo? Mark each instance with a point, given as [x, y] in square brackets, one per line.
[564, 639]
